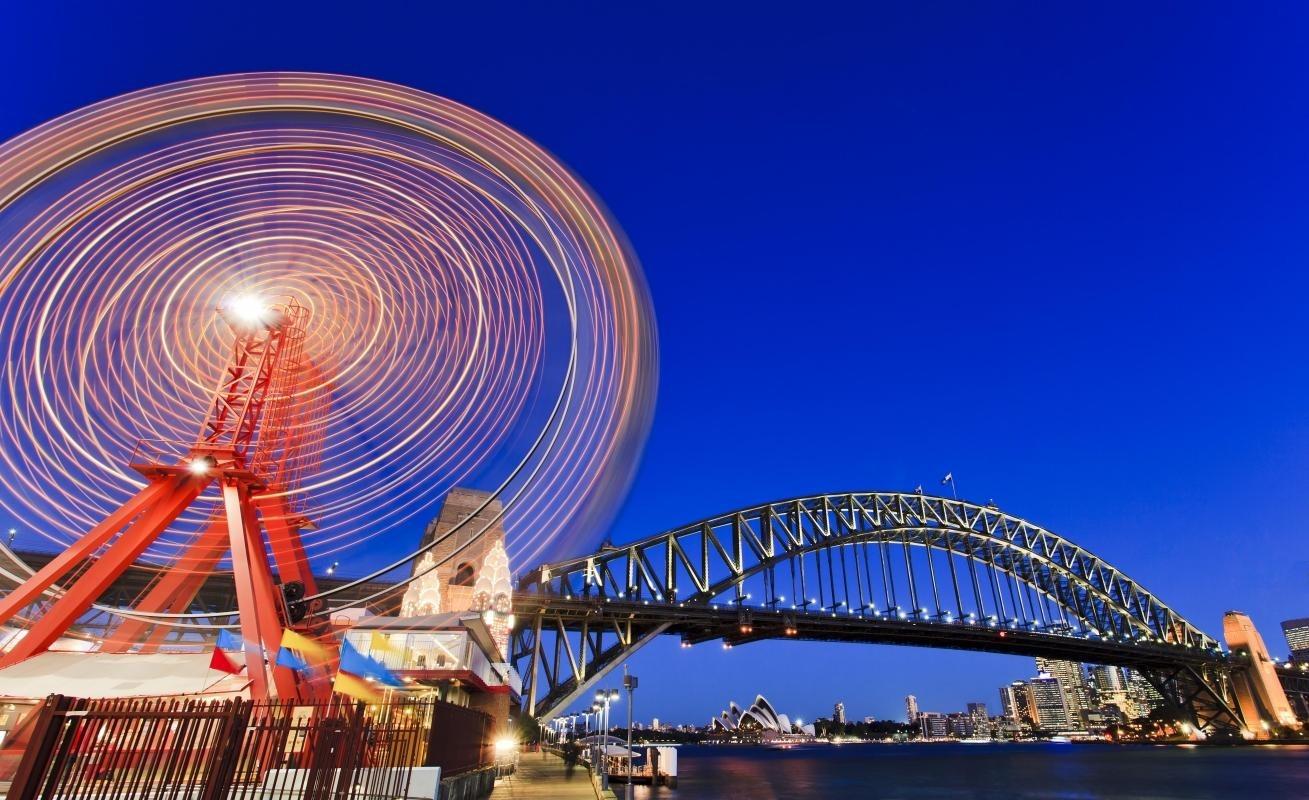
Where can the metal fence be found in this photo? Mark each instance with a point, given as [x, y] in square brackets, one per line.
[460, 739]
[239, 750]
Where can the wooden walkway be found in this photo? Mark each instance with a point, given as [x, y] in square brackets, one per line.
[542, 776]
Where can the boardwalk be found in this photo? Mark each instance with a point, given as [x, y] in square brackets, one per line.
[544, 776]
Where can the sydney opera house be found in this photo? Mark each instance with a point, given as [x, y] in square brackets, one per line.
[759, 718]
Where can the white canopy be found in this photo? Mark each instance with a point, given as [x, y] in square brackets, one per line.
[116, 675]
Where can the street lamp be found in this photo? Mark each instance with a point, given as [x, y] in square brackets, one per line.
[603, 699]
[629, 683]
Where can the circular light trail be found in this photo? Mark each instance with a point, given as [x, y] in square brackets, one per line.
[474, 315]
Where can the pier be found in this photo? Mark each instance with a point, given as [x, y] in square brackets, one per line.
[544, 776]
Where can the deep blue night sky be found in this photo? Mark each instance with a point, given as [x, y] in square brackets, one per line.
[1058, 250]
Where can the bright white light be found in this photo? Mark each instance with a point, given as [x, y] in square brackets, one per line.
[199, 466]
[249, 307]
[248, 311]
[506, 744]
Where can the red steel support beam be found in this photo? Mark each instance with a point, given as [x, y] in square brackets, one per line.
[173, 592]
[31, 589]
[182, 491]
[283, 526]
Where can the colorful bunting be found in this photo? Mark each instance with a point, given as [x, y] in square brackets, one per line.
[222, 663]
[306, 646]
[288, 658]
[356, 663]
[228, 641]
[355, 687]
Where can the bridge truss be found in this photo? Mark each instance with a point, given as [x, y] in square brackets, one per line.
[882, 567]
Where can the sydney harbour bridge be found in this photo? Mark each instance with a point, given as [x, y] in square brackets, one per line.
[867, 567]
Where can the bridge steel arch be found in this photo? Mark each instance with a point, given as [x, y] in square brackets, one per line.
[886, 567]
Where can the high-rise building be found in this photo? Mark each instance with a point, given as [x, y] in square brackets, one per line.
[1109, 687]
[1069, 674]
[1016, 703]
[960, 726]
[911, 709]
[981, 720]
[838, 713]
[934, 725]
[1108, 678]
[1142, 694]
[1297, 638]
[1049, 706]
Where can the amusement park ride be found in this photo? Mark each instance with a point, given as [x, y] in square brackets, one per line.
[254, 447]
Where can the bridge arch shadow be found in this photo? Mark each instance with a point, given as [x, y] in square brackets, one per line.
[875, 567]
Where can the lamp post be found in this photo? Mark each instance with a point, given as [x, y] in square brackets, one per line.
[596, 764]
[629, 683]
[603, 698]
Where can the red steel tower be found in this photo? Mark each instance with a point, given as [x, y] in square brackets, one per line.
[255, 446]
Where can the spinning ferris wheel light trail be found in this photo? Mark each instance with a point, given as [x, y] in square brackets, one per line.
[412, 297]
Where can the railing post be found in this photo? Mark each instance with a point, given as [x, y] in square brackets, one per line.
[32, 769]
[227, 750]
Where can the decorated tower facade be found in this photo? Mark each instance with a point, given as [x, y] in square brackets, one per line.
[473, 572]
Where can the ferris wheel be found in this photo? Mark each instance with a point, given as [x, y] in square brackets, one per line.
[256, 320]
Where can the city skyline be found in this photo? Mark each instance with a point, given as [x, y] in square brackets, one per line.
[1050, 215]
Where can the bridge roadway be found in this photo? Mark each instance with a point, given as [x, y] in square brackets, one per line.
[697, 623]
[585, 638]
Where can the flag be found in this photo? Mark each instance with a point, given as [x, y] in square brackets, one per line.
[379, 641]
[306, 646]
[228, 641]
[287, 658]
[949, 476]
[356, 663]
[918, 489]
[222, 663]
[355, 687]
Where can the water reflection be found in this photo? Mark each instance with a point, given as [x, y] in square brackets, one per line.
[988, 772]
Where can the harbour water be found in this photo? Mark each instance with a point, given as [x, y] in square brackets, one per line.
[988, 771]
